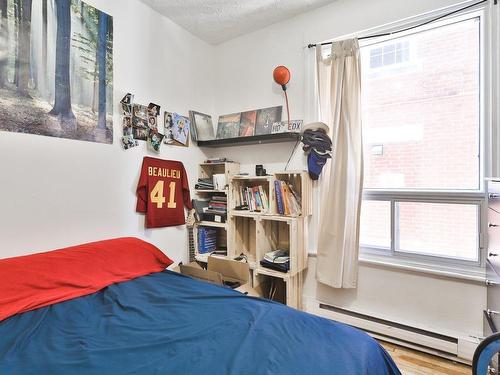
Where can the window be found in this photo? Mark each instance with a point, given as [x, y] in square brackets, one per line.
[423, 196]
[389, 54]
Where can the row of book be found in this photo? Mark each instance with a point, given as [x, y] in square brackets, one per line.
[253, 199]
[217, 205]
[288, 202]
[207, 240]
[213, 209]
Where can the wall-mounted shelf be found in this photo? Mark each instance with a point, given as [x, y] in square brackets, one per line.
[252, 140]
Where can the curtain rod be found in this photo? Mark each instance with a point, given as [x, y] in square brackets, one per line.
[411, 27]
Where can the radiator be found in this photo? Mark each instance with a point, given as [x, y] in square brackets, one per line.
[454, 348]
[191, 244]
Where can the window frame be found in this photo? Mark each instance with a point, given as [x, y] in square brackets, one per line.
[475, 197]
[469, 198]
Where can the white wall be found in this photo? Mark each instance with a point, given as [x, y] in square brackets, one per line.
[433, 303]
[58, 192]
[244, 80]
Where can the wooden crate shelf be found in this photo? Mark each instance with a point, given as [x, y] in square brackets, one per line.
[203, 191]
[242, 237]
[299, 180]
[253, 234]
[289, 288]
[285, 233]
[212, 224]
[207, 170]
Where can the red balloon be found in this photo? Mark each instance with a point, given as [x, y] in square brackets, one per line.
[281, 75]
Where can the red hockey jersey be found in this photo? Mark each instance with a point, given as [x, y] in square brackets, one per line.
[162, 192]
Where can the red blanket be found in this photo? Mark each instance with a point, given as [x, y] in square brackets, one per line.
[33, 281]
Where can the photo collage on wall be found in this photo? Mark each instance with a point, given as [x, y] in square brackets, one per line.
[146, 123]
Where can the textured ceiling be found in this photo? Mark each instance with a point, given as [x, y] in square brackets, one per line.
[217, 21]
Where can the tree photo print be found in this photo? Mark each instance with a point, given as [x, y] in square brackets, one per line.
[56, 69]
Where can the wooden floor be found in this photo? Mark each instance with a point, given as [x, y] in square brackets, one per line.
[411, 362]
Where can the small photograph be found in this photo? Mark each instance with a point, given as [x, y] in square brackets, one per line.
[180, 129]
[202, 127]
[153, 109]
[168, 127]
[140, 111]
[228, 126]
[153, 123]
[140, 134]
[128, 141]
[127, 125]
[127, 99]
[154, 141]
[266, 117]
[138, 122]
[127, 109]
[247, 123]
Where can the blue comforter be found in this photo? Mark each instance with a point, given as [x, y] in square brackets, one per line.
[166, 323]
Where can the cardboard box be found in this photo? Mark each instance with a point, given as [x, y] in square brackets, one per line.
[219, 271]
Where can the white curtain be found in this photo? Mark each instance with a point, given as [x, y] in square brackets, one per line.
[339, 86]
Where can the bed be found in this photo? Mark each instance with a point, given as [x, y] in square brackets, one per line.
[164, 323]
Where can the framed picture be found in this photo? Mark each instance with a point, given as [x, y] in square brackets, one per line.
[266, 117]
[202, 127]
[228, 126]
[247, 123]
[180, 129]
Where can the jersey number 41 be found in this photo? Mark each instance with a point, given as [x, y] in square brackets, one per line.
[156, 195]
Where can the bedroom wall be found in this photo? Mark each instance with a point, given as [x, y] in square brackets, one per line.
[57, 192]
[244, 81]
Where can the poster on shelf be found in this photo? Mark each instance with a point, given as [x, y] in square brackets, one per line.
[266, 117]
[247, 123]
[228, 126]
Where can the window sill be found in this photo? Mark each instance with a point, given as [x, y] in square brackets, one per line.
[475, 275]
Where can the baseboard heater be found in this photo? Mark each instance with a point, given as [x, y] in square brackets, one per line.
[419, 339]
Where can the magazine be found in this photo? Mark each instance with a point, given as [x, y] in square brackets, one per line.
[247, 123]
[266, 117]
[228, 126]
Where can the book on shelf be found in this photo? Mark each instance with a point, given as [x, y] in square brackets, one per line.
[204, 184]
[199, 206]
[253, 199]
[216, 209]
[213, 209]
[219, 181]
[286, 199]
[207, 240]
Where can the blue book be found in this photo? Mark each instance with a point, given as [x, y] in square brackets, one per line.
[279, 197]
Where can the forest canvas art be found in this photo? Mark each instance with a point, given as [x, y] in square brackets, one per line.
[56, 69]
